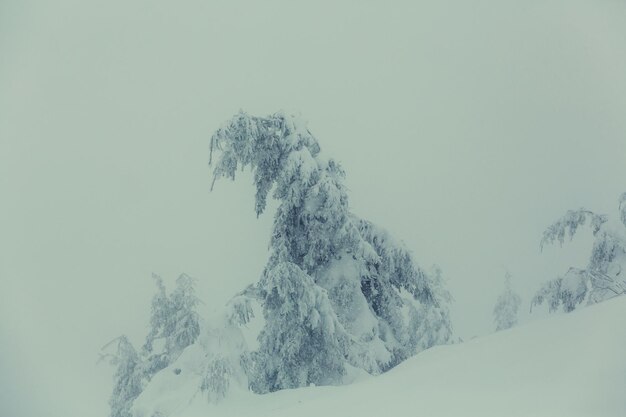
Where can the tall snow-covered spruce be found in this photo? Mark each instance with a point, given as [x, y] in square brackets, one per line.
[337, 291]
[604, 276]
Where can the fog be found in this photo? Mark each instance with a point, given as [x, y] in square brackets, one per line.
[465, 129]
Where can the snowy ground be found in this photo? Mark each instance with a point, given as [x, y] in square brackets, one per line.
[567, 365]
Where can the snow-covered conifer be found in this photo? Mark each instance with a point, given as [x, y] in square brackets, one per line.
[157, 358]
[128, 376]
[431, 320]
[333, 281]
[173, 323]
[604, 277]
[216, 381]
[183, 327]
[505, 312]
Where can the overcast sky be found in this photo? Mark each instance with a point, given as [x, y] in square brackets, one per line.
[465, 129]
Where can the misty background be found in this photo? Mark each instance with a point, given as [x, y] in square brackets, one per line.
[465, 129]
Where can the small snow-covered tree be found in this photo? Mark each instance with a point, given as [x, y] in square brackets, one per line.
[183, 327]
[173, 326]
[336, 289]
[173, 323]
[129, 376]
[507, 306]
[216, 381]
[157, 359]
[430, 322]
[604, 276]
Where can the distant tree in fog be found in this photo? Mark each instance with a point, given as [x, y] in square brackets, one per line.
[505, 312]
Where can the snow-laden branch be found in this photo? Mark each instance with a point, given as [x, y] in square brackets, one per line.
[602, 278]
[569, 223]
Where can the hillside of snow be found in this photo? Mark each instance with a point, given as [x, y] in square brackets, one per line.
[566, 365]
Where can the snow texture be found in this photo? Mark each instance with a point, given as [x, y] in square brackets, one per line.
[568, 365]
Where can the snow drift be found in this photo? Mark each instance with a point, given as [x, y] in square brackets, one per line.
[566, 365]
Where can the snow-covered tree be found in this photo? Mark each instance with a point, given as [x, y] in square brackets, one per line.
[157, 359]
[604, 276]
[336, 289]
[182, 327]
[129, 376]
[216, 381]
[430, 322]
[173, 326]
[507, 306]
[173, 323]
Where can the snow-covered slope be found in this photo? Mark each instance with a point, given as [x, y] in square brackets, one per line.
[567, 365]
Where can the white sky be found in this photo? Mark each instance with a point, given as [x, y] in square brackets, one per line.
[464, 129]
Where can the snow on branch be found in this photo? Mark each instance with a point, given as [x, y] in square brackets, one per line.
[569, 223]
[264, 144]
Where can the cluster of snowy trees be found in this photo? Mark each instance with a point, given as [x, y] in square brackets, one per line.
[337, 293]
[174, 325]
[604, 276]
